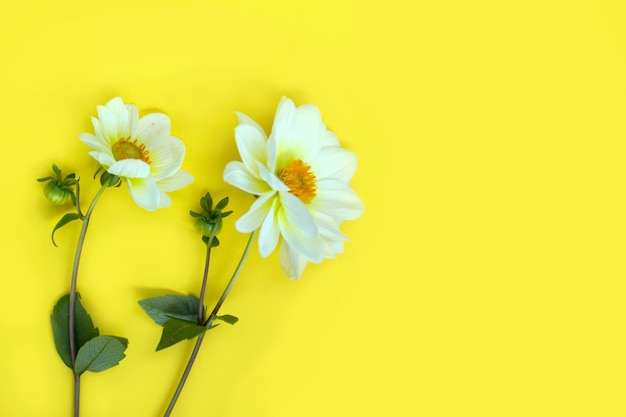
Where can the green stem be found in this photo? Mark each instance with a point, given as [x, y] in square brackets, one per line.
[208, 323]
[205, 276]
[204, 281]
[76, 394]
[80, 213]
[72, 312]
[231, 283]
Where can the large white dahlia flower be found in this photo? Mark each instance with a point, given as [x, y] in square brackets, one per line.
[141, 151]
[301, 177]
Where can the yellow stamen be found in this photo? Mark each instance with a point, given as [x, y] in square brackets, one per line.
[301, 181]
[125, 149]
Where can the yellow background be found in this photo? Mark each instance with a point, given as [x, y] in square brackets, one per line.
[486, 277]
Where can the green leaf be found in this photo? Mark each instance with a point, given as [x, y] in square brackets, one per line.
[196, 215]
[226, 213]
[175, 330]
[227, 318]
[223, 203]
[57, 170]
[85, 329]
[97, 172]
[60, 319]
[171, 306]
[206, 202]
[69, 217]
[44, 179]
[100, 353]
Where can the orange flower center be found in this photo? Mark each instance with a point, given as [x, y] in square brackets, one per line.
[301, 181]
[127, 149]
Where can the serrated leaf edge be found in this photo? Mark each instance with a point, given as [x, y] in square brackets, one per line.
[110, 339]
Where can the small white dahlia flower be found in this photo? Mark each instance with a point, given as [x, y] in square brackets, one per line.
[301, 177]
[141, 151]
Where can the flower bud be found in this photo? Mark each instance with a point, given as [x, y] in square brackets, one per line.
[58, 190]
[206, 227]
[209, 221]
[109, 180]
[56, 194]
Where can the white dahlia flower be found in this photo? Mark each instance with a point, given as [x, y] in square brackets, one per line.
[140, 151]
[301, 177]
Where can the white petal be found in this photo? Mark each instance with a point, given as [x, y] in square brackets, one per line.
[152, 126]
[117, 119]
[329, 139]
[104, 159]
[297, 133]
[175, 182]
[251, 146]
[310, 248]
[164, 200]
[294, 212]
[332, 248]
[237, 175]
[271, 179]
[334, 162]
[94, 143]
[102, 133]
[145, 192]
[244, 119]
[329, 226]
[126, 116]
[257, 213]
[330, 233]
[166, 156]
[284, 119]
[133, 120]
[106, 125]
[130, 168]
[269, 233]
[281, 137]
[272, 154]
[291, 261]
[336, 199]
[115, 103]
[309, 129]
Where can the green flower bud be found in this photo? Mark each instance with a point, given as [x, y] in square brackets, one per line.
[209, 221]
[110, 180]
[57, 194]
[206, 227]
[58, 190]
